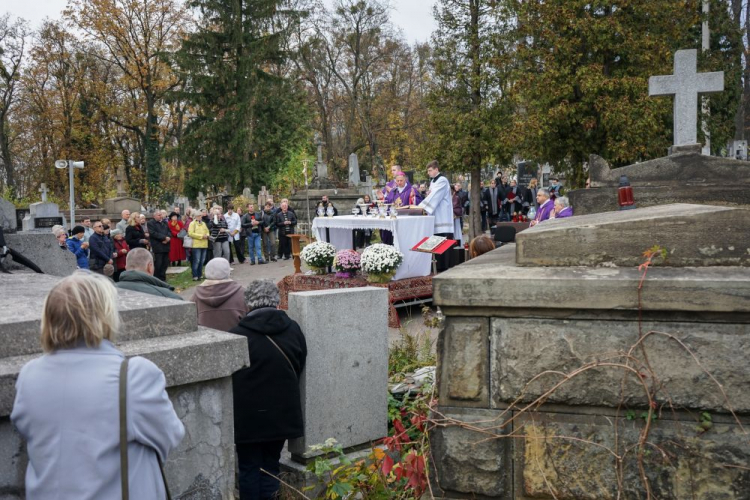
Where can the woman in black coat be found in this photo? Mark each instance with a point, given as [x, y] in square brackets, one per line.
[267, 407]
[135, 235]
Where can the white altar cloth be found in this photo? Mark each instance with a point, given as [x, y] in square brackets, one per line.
[407, 232]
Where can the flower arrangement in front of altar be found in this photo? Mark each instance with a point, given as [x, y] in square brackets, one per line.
[318, 256]
[380, 262]
[346, 263]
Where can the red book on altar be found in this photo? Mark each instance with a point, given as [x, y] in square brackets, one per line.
[434, 246]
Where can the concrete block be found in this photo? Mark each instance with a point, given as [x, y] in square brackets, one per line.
[487, 282]
[572, 457]
[345, 382]
[464, 351]
[521, 349]
[473, 459]
[42, 249]
[694, 236]
[117, 205]
[13, 465]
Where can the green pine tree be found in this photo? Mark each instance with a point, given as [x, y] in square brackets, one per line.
[248, 115]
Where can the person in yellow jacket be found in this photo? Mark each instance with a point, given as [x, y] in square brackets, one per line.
[198, 230]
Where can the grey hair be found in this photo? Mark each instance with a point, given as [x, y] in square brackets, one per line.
[562, 201]
[138, 259]
[261, 293]
[543, 191]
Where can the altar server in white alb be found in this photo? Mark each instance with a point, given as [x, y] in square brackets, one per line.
[439, 203]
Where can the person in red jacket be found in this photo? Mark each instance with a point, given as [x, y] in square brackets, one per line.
[176, 250]
[121, 249]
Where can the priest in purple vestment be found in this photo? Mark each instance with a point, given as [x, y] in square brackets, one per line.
[546, 206]
[391, 184]
[404, 194]
[562, 208]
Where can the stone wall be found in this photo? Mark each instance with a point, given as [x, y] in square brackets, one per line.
[517, 425]
[197, 362]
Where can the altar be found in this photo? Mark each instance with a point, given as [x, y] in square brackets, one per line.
[407, 232]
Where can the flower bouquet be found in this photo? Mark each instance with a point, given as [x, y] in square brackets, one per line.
[380, 262]
[318, 256]
[346, 263]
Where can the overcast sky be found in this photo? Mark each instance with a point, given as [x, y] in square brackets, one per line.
[414, 17]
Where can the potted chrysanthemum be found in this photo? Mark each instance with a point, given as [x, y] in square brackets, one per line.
[346, 263]
[380, 262]
[318, 256]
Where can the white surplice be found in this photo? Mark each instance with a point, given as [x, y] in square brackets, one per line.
[439, 203]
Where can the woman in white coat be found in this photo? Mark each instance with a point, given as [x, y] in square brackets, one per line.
[67, 402]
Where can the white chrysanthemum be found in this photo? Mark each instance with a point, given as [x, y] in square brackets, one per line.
[318, 254]
[381, 259]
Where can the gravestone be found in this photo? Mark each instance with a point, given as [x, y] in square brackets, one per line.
[201, 201]
[247, 193]
[122, 201]
[43, 216]
[588, 315]
[197, 362]
[21, 214]
[41, 248]
[262, 197]
[345, 383]
[525, 171]
[353, 170]
[7, 216]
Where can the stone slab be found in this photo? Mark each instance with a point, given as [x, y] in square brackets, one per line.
[684, 177]
[186, 358]
[570, 457]
[43, 250]
[463, 344]
[522, 349]
[694, 235]
[117, 205]
[344, 385]
[7, 216]
[468, 459]
[143, 316]
[487, 282]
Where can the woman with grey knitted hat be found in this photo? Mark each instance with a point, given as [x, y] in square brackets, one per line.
[267, 409]
[220, 300]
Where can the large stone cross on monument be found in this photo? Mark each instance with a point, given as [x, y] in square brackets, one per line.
[43, 190]
[685, 85]
[120, 178]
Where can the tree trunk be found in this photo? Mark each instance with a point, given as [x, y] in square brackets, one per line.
[6, 155]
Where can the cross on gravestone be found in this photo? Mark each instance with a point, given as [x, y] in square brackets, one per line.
[262, 197]
[201, 201]
[685, 85]
[43, 190]
[120, 178]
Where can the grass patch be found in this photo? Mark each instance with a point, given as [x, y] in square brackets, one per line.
[182, 281]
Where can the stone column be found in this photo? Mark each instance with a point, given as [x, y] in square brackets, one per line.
[345, 382]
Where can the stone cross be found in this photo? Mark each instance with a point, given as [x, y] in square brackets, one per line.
[120, 178]
[201, 200]
[43, 190]
[685, 85]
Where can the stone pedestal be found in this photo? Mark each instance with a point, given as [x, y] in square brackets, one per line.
[117, 205]
[42, 249]
[198, 363]
[500, 352]
[345, 382]
[43, 216]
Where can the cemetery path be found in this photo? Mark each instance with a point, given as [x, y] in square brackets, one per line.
[411, 317]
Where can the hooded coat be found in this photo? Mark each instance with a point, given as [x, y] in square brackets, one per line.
[267, 403]
[221, 304]
[139, 281]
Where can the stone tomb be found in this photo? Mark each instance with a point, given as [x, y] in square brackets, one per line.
[500, 352]
[43, 216]
[198, 363]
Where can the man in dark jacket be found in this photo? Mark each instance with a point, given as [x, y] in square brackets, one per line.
[159, 236]
[267, 407]
[101, 250]
[138, 276]
[285, 221]
[252, 223]
[269, 232]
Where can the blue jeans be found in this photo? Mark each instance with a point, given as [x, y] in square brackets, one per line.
[199, 256]
[254, 247]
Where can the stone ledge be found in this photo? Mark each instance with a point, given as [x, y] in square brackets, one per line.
[693, 235]
[487, 281]
[198, 356]
[143, 316]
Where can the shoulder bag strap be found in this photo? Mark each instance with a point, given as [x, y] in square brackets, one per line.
[124, 437]
[282, 353]
[124, 429]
